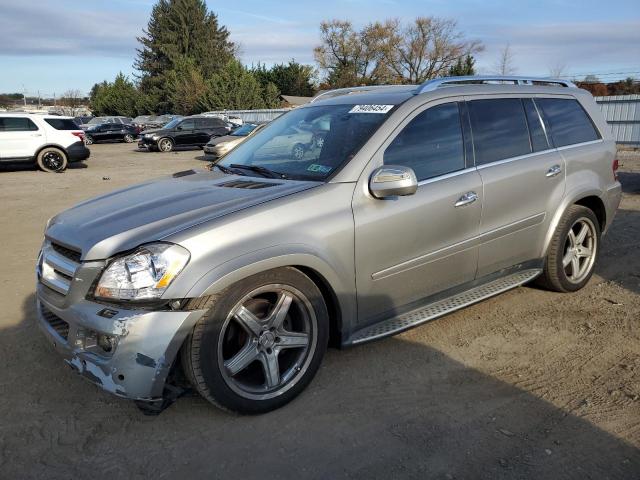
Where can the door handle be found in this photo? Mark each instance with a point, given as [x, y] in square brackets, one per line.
[36, 134]
[553, 171]
[466, 199]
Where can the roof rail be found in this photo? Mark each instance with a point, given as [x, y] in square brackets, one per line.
[431, 85]
[349, 90]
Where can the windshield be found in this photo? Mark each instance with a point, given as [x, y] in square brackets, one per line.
[308, 143]
[172, 123]
[243, 131]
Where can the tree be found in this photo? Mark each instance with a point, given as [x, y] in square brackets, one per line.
[505, 65]
[463, 68]
[179, 31]
[557, 70]
[390, 51]
[290, 79]
[71, 102]
[117, 98]
[187, 87]
[234, 87]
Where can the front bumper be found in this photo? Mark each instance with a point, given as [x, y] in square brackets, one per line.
[77, 152]
[146, 142]
[143, 343]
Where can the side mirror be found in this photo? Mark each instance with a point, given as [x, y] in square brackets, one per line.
[393, 181]
[178, 127]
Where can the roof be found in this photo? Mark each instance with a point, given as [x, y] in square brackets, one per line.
[295, 100]
[27, 114]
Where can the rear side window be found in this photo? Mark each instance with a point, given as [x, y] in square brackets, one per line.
[499, 129]
[539, 140]
[431, 144]
[188, 125]
[568, 121]
[17, 124]
[62, 123]
[211, 123]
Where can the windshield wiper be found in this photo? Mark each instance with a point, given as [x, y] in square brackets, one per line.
[265, 172]
[222, 168]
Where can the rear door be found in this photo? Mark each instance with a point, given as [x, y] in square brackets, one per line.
[20, 137]
[523, 178]
[409, 248]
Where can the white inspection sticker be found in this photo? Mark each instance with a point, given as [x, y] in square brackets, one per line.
[371, 108]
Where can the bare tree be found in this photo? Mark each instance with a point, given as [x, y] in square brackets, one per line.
[389, 51]
[72, 102]
[557, 70]
[504, 65]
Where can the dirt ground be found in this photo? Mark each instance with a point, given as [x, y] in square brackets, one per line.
[529, 384]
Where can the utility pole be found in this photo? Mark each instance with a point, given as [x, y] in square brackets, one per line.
[24, 95]
[39, 106]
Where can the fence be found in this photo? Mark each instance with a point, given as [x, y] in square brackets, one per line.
[251, 116]
[622, 113]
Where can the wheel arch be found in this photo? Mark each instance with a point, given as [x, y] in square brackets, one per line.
[591, 199]
[50, 145]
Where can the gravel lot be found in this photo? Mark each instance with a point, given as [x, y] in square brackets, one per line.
[530, 384]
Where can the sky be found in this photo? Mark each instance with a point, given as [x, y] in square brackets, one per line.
[56, 45]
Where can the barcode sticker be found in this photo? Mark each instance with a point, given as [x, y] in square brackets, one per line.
[371, 108]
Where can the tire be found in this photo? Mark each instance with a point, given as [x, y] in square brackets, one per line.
[573, 252]
[128, 138]
[52, 159]
[234, 368]
[88, 140]
[165, 145]
[297, 152]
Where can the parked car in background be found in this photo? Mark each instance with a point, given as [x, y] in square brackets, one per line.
[101, 120]
[141, 121]
[183, 132]
[50, 141]
[111, 132]
[82, 120]
[219, 146]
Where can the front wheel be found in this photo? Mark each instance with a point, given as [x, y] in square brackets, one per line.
[165, 145]
[260, 343]
[573, 251]
[297, 153]
[52, 159]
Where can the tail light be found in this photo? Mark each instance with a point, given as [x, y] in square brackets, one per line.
[80, 135]
[615, 167]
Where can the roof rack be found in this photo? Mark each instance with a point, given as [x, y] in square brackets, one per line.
[431, 85]
[349, 90]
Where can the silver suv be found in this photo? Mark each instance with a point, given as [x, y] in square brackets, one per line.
[419, 201]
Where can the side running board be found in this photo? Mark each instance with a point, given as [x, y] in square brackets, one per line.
[442, 307]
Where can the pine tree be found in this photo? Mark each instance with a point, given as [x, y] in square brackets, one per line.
[461, 69]
[179, 31]
[234, 87]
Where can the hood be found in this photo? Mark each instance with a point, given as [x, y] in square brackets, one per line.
[151, 211]
[151, 131]
[225, 138]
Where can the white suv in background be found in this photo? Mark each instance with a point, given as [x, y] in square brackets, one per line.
[51, 141]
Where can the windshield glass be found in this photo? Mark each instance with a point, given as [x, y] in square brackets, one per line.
[244, 130]
[172, 123]
[308, 143]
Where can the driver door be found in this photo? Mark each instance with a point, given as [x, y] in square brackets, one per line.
[185, 132]
[411, 247]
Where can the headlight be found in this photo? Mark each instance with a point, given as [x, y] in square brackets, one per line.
[144, 274]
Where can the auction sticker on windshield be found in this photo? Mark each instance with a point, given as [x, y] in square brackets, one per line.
[371, 109]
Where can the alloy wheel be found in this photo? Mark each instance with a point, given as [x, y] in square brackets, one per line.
[165, 145]
[267, 342]
[52, 160]
[298, 152]
[580, 250]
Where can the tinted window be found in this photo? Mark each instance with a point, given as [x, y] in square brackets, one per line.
[62, 123]
[210, 123]
[568, 121]
[538, 137]
[431, 144]
[499, 129]
[17, 124]
[188, 125]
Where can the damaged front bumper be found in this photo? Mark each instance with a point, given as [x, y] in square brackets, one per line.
[126, 352]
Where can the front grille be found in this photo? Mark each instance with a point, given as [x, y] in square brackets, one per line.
[67, 252]
[59, 325]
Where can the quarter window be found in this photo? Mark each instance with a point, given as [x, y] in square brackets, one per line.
[499, 129]
[431, 144]
[62, 123]
[17, 124]
[569, 123]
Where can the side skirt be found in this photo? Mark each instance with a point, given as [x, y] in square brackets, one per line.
[443, 306]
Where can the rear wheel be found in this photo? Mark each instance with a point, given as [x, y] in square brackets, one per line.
[573, 251]
[128, 138]
[88, 140]
[52, 159]
[297, 152]
[165, 144]
[260, 343]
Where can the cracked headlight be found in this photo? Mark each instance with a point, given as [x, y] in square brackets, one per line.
[144, 274]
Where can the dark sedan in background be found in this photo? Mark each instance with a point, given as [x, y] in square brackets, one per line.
[110, 132]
